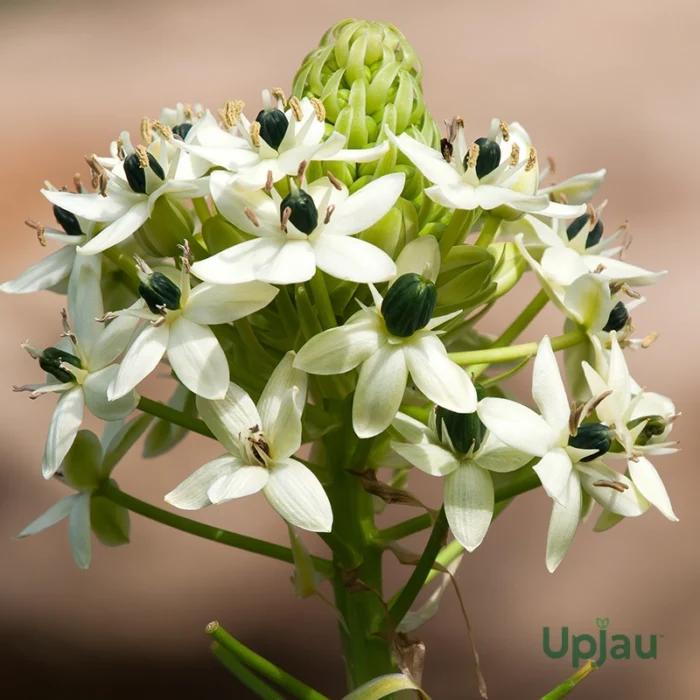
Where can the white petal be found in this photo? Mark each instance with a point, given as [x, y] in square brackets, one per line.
[353, 155]
[548, 388]
[469, 501]
[297, 495]
[281, 405]
[117, 231]
[554, 470]
[366, 206]
[421, 256]
[429, 458]
[294, 262]
[232, 203]
[238, 263]
[629, 502]
[563, 265]
[197, 359]
[79, 531]
[621, 271]
[429, 161]
[53, 515]
[496, 456]
[211, 304]
[619, 379]
[440, 379]
[95, 389]
[380, 389]
[564, 523]
[606, 520]
[240, 482]
[114, 338]
[44, 274]
[352, 259]
[231, 418]
[341, 349]
[578, 189]
[140, 360]
[517, 426]
[648, 481]
[93, 207]
[192, 493]
[85, 301]
[588, 301]
[65, 424]
[413, 430]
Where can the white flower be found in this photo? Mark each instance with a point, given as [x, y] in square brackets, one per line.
[563, 469]
[79, 368]
[128, 192]
[87, 465]
[386, 360]
[54, 270]
[508, 183]
[578, 189]
[297, 138]
[179, 325]
[260, 443]
[469, 490]
[629, 413]
[283, 254]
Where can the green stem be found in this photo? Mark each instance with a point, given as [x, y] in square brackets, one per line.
[460, 224]
[515, 352]
[410, 591]
[323, 300]
[488, 231]
[126, 264]
[172, 415]
[567, 686]
[244, 675]
[287, 313]
[256, 350]
[201, 208]
[261, 665]
[112, 493]
[513, 331]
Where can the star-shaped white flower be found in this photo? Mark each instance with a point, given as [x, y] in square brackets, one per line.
[260, 443]
[80, 367]
[180, 328]
[283, 254]
[629, 413]
[469, 490]
[240, 146]
[386, 359]
[564, 470]
[128, 195]
[508, 186]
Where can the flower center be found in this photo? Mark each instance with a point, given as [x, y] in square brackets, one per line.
[466, 431]
[160, 293]
[409, 305]
[594, 235]
[618, 318]
[592, 436]
[488, 158]
[135, 165]
[299, 208]
[52, 361]
[67, 221]
[273, 126]
[258, 448]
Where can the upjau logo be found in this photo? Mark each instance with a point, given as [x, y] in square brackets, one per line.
[587, 646]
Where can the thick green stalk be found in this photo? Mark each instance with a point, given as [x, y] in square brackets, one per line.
[261, 665]
[513, 331]
[172, 415]
[567, 686]
[244, 674]
[488, 231]
[232, 539]
[201, 208]
[322, 300]
[457, 230]
[126, 264]
[514, 352]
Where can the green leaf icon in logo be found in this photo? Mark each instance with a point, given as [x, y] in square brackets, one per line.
[602, 622]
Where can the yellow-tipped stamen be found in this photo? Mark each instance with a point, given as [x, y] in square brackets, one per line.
[335, 181]
[255, 134]
[142, 155]
[231, 112]
[39, 228]
[651, 338]
[319, 108]
[249, 213]
[295, 106]
[514, 155]
[614, 485]
[187, 111]
[98, 176]
[329, 213]
[121, 153]
[504, 131]
[531, 160]
[278, 93]
[78, 183]
[146, 135]
[165, 131]
[472, 155]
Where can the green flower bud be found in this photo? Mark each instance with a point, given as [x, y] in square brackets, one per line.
[466, 431]
[592, 436]
[398, 227]
[51, 361]
[618, 318]
[273, 126]
[489, 157]
[465, 275]
[109, 522]
[67, 221]
[81, 466]
[655, 427]
[169, 225]
[409, 305]
[159, 292]
[135, 170]
[594, 235]
[219, 234]
[299, 208]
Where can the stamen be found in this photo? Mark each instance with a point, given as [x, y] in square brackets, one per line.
[599, 269]
[514, 155]
[285, 218]
[98, 176]
[295, 106]
[447, 149]
[531, 160]
[160, 321]
[335, 181]
[329, 213]
[27, 387]
[165, 131]
[575, 418]
[563, 198]
[593, 404]
[78, 183]
[504, 131]
[592, 215]
[186, 256]
[109, 316]
[614, 485]
[39, 228]
[66, 326]
[255, 134]
[278, 93]
[249, 213]
[651, 338]
[269, 183]
[187, 112]
[33, 352]
[121, 154]
[231, 112]
[458, 123]
[142, 155]
[162, 310]
[472, 155]
[302, 169]
[146, 135]
[552, 165]
[319, 108]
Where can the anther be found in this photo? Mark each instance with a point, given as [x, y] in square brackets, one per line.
[187, 111]
[146, 135]
[165, 131]
[278, 93]
[142, 155]
[249, 213]
[651, 338]
[514, 155]
[302, 169]
[98, 176]
[329, 213]
[504, 131]
[335, 181]
[286, 213]
[231, 112]
[552, 165]
[531, 160]
[39, 228]
[255, 134]
[269, 183]
[614, 485]
[78, 183]
[319, 109]
[295, 106]
[472, 155]
[121, 153]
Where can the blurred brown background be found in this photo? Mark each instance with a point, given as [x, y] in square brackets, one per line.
[600, 83]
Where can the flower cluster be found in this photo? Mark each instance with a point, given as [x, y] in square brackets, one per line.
[313, 273]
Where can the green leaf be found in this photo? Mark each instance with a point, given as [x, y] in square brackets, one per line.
[383, 686]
